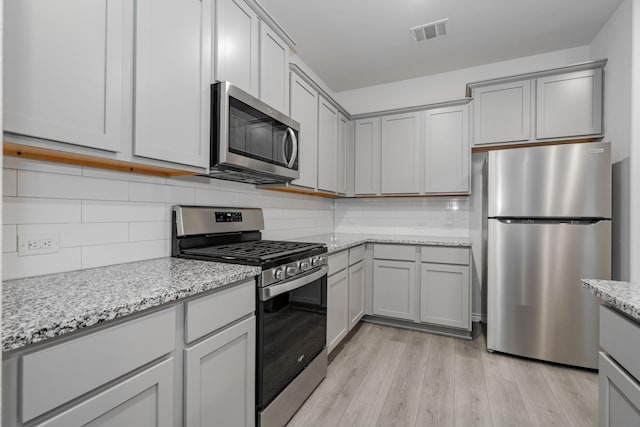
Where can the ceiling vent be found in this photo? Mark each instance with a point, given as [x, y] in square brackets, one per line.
[430, 31]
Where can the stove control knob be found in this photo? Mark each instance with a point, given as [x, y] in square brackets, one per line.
[315, 261]
[304, 266]
[291, 271]
[278, 274]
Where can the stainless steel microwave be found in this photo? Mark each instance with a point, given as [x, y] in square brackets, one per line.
[251, 141]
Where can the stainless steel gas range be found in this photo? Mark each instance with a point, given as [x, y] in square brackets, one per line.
[291, 300]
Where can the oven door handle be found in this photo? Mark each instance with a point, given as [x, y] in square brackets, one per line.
[271, 291]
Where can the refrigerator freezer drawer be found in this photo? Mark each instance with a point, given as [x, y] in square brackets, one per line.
[571, 180]
[536, 306]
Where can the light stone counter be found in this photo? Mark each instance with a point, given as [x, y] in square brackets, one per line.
[623, 296]
[37, 308]
[339, 242]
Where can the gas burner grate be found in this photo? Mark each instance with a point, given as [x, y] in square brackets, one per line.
[254, 251]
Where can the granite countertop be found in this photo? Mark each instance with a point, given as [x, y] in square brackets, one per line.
[37, 308]
[624, 296]
[341, 241]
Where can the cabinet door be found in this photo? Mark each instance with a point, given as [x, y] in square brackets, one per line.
[445, 295]
[502, 113]
[394, 289]
[304, 110]
[367, 156]
[144, 400]
[447, 152]
[337, 309]
[236, 45]
[569, 105]
[343, 153]
[274, 69]
[220, 378]
[327, 146]
[619, 395]
[400, 163]
[63, 70]
[172, 90]
[356, 293]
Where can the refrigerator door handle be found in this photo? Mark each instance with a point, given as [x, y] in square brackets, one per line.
[570, 221]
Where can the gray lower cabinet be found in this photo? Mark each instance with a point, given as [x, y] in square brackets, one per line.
[337, 306]
[144, 400]
[133, 372]
[428, 285]
[619, 395]
[220, 376]
[445, 295]
[345, 294]
[394, 288]
[619, 369]
[356, 292]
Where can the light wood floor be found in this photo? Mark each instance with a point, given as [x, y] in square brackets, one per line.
[385, 376]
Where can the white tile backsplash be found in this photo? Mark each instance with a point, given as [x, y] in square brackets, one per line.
[9, 238]
[419, 216]
[106, 217]
[159, 193]
[51, 185]
[14, 266]
[23, 210]
[159, 230]
[81, 234]
[96, 256]
[9, 182]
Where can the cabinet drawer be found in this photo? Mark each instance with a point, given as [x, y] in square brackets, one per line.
[445, 255]
[356, 254]
[620, 337]
[397, 252]
[338, 262]
[60, 373]
[212, 312]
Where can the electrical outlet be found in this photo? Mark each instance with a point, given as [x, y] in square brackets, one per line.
[36, 244]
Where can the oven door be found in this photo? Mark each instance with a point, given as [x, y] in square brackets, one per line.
[292, 331]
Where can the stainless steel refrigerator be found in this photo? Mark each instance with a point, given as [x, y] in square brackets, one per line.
[548, 226]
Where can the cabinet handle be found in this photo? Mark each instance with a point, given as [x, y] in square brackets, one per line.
[294, 142]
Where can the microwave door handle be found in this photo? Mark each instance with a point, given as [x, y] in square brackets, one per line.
[269, 292]
[294, 141]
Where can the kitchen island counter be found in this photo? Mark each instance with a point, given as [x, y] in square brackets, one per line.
[623, 296]
[38, 308]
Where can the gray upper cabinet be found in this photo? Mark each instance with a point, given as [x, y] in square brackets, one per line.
[569, 104]
[343, 154]
[502, 113]
[327, 146]
[564, 103]
[304, 109]
[76, 97]
[172, 121]
[367, 156]
[400, 159]
[447, 151]
[236, 44]
[274, 69]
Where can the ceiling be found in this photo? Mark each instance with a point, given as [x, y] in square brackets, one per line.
[358, 43]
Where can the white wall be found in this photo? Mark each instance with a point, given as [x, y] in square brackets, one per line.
[106, 217]
[404, 216]
[451, 85]
[613, 41]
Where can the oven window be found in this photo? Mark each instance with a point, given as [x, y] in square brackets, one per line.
[292, 330]
[256, 135]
